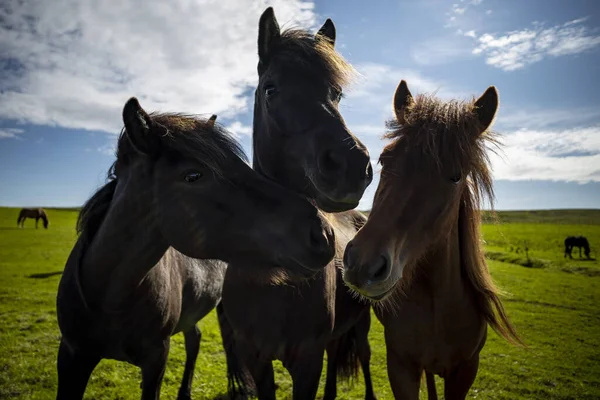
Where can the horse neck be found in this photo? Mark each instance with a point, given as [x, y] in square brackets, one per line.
[439, 271]
[127, 245]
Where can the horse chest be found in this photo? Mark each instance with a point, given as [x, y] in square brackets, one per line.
[434, 334]
[277, 320]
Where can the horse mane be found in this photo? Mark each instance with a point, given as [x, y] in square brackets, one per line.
[179, 135]
[298, 47]
[450, 130]
[475, 266]
[445, 129]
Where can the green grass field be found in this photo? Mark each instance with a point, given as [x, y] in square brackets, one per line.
[552, 301]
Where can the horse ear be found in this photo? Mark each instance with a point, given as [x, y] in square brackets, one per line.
[268, 34]
[327, 32]
[212, 120]
[402, 99]
[486, 107]
[138, 127]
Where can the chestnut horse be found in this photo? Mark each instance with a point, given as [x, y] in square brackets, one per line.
[300, 140]
[36, 213]
[180, 193]
[420, 250]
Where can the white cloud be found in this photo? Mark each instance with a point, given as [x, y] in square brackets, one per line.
[74, 63]
[10, 133]
[565, 155]
[238, 129]
[458, 10]
[457, 13]
[488, 12]
[109, 149]
[513, 118]
[470, 33]
[517, 49]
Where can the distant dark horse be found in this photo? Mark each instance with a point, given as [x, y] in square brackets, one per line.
[577, 241]
[37, 213]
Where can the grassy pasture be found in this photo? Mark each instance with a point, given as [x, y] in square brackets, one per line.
[553, 302]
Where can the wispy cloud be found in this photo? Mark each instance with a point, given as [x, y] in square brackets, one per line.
[442, 50]
[563, 155]
[513, 118]
[458, 12]
[74, 63]
[10, 133]
[238, 129]
[517, 49]
[380, 80]
[109, 149]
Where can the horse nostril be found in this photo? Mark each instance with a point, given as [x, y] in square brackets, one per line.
[347, 259]
[331, 161]
[317, 237]
[381, 269]
[367, 173]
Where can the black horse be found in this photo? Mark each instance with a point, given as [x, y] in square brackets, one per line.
[577, 241]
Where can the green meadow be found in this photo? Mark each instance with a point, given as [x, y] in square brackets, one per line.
[553, 301]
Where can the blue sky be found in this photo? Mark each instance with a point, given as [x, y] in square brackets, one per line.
[67, 67]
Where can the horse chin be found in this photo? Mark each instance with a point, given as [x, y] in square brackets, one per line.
[296, 271]
[331, 206]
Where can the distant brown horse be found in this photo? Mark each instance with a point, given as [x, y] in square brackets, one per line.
[301, 141]
[37, 213]
[420, 250]
[180, 193]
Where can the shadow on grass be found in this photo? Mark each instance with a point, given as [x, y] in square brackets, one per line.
[582, 259]
[44, 275]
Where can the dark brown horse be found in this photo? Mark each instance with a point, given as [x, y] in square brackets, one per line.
[577, 241]
[179, 191]
[300, 140]
[420, 249]
[37, 213]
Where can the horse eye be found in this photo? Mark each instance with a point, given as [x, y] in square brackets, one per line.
[336, 95]
[270, 91]
[456, 178]
[193, 176]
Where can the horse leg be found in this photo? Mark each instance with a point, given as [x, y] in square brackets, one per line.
[74, 372]
[363, 350]
[192, 338]
[331, 380]
[153, 371]
[404, 376]
[264, 378]
[458, 383]
[36, 222]
[306, 373]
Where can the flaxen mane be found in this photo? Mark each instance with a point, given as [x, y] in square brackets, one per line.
[450, 131]
[179, 134]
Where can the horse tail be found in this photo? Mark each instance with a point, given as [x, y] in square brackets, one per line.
[239, 380]
[346, 355]
[431, 391]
